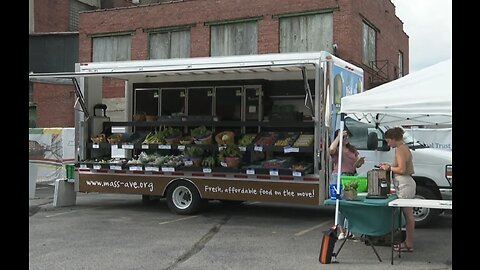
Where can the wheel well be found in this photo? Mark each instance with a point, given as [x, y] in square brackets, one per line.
[428, 183]
[180, 179]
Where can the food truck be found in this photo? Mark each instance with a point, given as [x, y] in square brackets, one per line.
[232, 128]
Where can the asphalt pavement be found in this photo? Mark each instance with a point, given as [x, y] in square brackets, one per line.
[43, 197]
[102, 227]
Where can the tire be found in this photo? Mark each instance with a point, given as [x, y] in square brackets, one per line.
[183, 198]
[424, 216]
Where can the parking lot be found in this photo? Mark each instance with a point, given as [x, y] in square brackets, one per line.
[111, 231]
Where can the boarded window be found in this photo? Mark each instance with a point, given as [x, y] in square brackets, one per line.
[307, 33]
[400, 64]
[369, 45]
[234, 39]
[111, 48]
[174, 44]
[75, 8]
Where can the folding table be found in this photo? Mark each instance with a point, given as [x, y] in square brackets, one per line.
[368, 217]
[399, 203]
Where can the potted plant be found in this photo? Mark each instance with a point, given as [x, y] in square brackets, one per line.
[231, 154]
[350, 190]
[193, 154]
[208, 162]
[225, 137]
[186, 140]
[202, 135]
[172, 135]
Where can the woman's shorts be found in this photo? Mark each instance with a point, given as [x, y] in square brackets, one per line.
[406, 186]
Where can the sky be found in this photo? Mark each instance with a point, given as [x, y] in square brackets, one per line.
[428, 23]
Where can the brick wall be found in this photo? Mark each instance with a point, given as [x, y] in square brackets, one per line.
[54, 104]
[390, 38]
[268, 41]
[51, 15]
[113, 88]
[192, 12]
[347, 27]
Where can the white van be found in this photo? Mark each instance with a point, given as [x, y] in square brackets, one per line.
[433, 167]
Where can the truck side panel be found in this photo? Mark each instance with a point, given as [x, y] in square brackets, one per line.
[305, 192]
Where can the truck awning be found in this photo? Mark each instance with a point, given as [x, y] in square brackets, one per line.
[244, 64]
[178, 72]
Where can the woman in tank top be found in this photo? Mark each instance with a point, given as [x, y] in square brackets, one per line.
[402, 169]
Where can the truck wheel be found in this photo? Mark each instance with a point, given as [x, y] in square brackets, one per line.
[424, 216]
[183, 198]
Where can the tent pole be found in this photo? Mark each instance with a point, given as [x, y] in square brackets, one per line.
[339, 167]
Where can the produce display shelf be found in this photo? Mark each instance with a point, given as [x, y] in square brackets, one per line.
[188, 169]
[250, 147]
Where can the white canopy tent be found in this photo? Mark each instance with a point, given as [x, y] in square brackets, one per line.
[420, 98]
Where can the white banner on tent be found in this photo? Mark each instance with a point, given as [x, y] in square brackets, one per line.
[435, 138]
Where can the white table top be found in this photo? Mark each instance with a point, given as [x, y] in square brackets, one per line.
[438, 204]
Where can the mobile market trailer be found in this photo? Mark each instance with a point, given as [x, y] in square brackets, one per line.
[279, 109]
[280, 100]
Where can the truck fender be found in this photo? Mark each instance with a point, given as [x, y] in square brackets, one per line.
[428, 183]
[177, 179]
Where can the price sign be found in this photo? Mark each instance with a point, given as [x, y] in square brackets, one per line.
[243, 148]
[288, 149]
[136, 168]
[83, 166]
[207, 170]
[95, 146]
[97, 167]
[188, 162]
[115, 167]
[145, 146]
[297, 174]
[258, 148]
[273, 172]
[181, 147]
[164, 146]
[168, 169]
[127, 146]
[152, 169]
[250, 171]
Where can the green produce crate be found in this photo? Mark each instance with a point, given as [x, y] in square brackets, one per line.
[362, 182]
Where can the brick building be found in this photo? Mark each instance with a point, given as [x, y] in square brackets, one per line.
[53, 47]
[366, 33]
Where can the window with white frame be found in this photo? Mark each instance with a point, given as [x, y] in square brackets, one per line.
[306, 33]
[400, 64]
[111, 48]
[169, 44]
[234, 38]
[369, 45]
